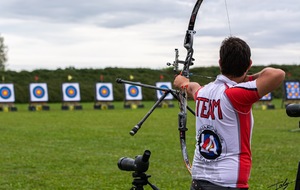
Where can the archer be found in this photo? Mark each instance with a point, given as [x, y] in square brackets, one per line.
[231, 133]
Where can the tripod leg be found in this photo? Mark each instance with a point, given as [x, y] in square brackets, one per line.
[297, 186]
[152, 186]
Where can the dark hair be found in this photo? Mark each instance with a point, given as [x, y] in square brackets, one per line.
[234, 57]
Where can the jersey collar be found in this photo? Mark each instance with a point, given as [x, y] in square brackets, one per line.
[224, 79]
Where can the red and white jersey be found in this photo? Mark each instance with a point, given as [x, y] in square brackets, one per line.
[224, 125]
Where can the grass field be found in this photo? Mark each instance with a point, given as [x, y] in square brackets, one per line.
[57, 150]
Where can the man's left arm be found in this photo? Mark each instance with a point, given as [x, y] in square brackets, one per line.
[183, 82]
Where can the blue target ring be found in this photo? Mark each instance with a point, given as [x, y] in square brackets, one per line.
[163, 86]
[38, 92]
[104, 91]
[5, 93]
[71, 91]
[133, 91]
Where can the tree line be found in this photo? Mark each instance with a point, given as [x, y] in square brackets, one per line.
[87, 78]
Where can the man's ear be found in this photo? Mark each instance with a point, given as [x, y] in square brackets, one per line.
[250, 65]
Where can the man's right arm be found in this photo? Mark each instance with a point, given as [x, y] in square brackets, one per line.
[268, 80]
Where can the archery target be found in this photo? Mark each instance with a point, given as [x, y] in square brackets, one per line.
[267, 97]
[71, 92]
[104, 92]
[292, 90]
[38, 92]
[133, 92]
[7, 93]
[166, 85]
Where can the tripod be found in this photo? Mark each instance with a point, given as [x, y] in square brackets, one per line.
[141, 179]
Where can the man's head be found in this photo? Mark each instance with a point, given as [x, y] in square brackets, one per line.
[234, 57]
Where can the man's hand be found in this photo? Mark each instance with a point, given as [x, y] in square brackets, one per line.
[181, 81]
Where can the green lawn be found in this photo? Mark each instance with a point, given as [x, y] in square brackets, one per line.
[80, 149]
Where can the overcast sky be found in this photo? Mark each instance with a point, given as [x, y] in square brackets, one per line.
[44, 34]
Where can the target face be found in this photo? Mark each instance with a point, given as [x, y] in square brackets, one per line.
[165, 85]
[133, 92]
[267, 97]
[7, 93]
[292, 90]
[104, 92]
[38, 92]
[71, 92]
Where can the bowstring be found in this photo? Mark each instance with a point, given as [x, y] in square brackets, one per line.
[202, 76]
[228, 19]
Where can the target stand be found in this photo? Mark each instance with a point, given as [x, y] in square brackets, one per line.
[8, 107]
[38, 97]
[103, 105]
[71, 106]
[71, 96]
[166, 104]
[133, 104]
[7, 98]
[38, 106]
[103, 96]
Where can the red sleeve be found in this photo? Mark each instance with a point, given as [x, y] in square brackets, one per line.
[242, 98]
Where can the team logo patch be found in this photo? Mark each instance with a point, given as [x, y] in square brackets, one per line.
[133, 91]
[5, 93]
[210, 143]
[38, 92]
[71, 91]
[104, 91]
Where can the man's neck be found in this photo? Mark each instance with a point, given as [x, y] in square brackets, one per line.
[236, 79]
